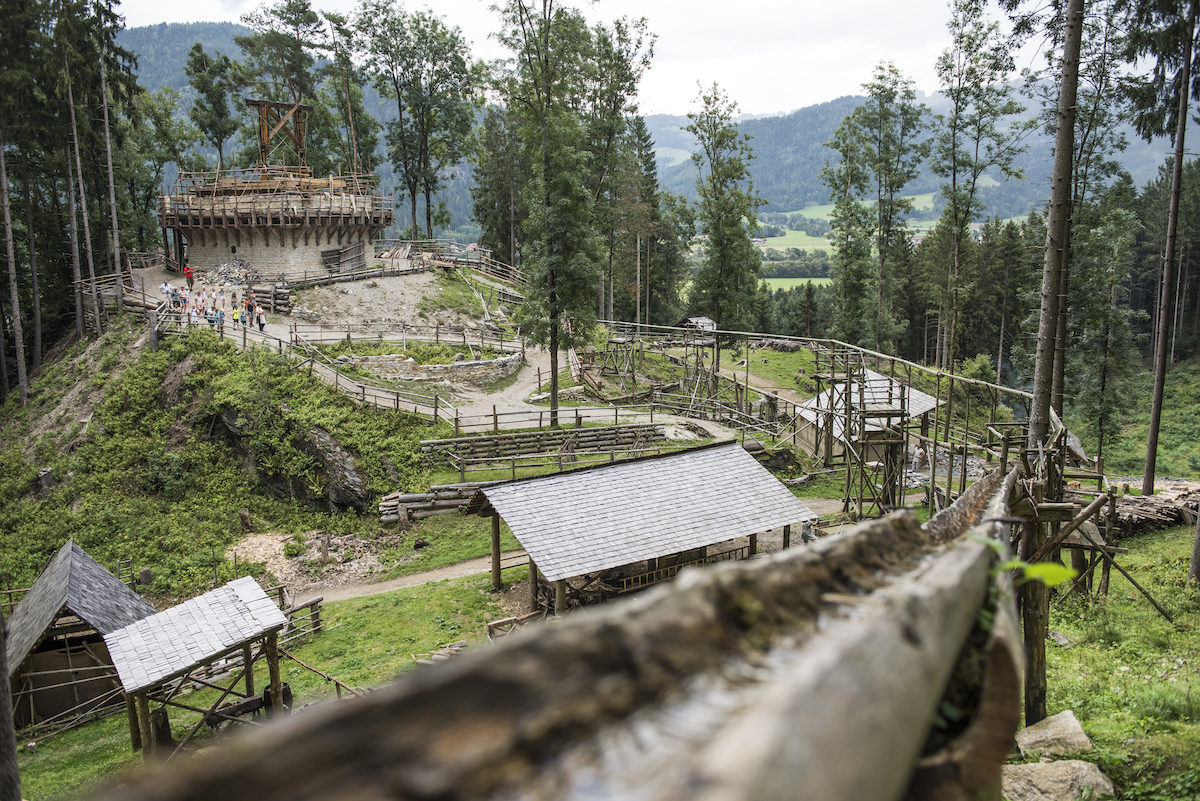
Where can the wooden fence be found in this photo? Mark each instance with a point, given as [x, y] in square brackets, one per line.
[401, 333]
[645, 579]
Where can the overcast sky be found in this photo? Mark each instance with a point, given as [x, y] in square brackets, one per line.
[770, 56]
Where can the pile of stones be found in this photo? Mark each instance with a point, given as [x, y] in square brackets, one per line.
[235, 272]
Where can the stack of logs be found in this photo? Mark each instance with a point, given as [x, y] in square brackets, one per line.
[275, 298]
[441, 499]
[1172, 506]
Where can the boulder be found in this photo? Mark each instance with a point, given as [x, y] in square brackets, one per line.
[1053, 781]
[1058, 734]
[347, 488]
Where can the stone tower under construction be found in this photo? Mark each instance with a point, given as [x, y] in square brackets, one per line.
[273, 218]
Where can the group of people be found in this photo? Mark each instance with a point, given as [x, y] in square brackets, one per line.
[201, 306]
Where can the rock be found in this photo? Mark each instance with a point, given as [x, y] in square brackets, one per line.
[344, 359]
[347, 488]
[1060, 639]
[1053, 781]
[1059, 734]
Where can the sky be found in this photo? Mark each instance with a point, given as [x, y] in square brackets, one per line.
[770, 57]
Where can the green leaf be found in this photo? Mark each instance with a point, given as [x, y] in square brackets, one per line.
[1049, 573]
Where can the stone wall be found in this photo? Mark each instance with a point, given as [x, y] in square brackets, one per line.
[266, 256]
[401, 368]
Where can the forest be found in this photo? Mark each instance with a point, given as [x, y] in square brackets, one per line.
[544, 159]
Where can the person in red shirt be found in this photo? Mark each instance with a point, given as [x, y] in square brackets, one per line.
[189, 275]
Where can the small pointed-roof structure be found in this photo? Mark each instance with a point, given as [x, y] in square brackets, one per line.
[77, 583]
[61, 622]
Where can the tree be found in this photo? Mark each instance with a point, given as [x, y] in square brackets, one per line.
[968, 141]
[543, 87]
[726, 283]
[892, 122]
[851, 224]
[211, 77]
[501, 170]
[1105, 355]
[1161, 30]
[441, 102]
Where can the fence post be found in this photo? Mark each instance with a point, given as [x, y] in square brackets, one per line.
[456, 422]
[435, 408]
[495, 419]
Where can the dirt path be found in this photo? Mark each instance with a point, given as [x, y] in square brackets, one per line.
[345, 592]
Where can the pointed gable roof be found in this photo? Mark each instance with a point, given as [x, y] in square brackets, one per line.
[75, 581]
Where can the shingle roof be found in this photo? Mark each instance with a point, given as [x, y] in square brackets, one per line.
[877, 389]
[79, 583]
[173, 642]
[603, 517]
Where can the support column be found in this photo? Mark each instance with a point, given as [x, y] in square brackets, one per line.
[248, 662]
[560, 596]
[787, 536]
[496, 583]
[753, 544]
[533, 574]
[143, 713]
[275, 691]
[135, 733]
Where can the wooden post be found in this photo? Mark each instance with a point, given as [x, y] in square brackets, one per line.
[533, 576]
[147, 736]
[787, 536]
[135, 732]
[753, 544]
[275, 690]
[1108, 540]
[496, 583]
[1035, 608]
[248, 666]
[560, 596]
[495, 419]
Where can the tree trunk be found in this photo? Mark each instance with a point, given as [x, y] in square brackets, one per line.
[1057, 225]
[87, 231]
[36, 296]
[18, 338]
[1194, 567]
[1058, 379]
[112, 190]
[75, 277]
[1167, 294]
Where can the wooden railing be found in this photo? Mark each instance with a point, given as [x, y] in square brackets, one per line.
[640, 580]
[399, 333]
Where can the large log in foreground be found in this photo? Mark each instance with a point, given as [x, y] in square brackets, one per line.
[815, 673]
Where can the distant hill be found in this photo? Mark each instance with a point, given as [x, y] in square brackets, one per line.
[790, 150]
[162, 49]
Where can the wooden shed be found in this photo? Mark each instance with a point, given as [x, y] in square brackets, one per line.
[657, 513]
[58, 665]
[170, 646]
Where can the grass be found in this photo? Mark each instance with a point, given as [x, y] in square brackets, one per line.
[788, 283]
[453, 296]
[1132, 678]
[797, 239]
[1178, 447]
[781, 369]
[452, 539]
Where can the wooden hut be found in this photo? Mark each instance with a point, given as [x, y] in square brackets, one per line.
[653, 515]
[171, 646]
[58, 665]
